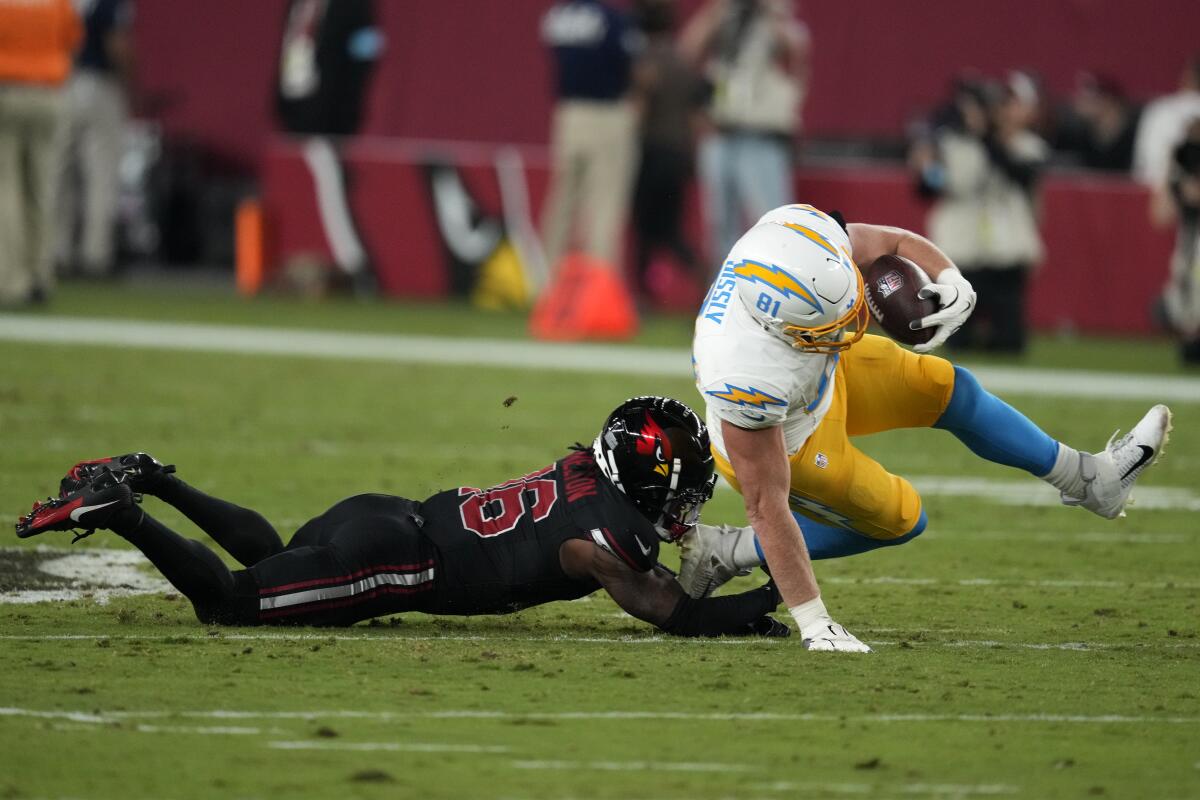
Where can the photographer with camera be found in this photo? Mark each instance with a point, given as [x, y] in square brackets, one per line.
[980, 161]
[1179, 307]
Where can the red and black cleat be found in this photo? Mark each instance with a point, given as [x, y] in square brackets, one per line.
[89, 507]
[140, 469]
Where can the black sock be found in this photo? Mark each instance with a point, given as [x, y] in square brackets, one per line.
[245, 534]
[196, 571]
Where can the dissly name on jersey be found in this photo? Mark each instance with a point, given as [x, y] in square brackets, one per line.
[720, 295]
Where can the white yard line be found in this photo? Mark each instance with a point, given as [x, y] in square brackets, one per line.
[108, 717]
[1062, 583]
[442, 351]
[208, 730]
[952, 789]
[102, 574]
[1029, 492]
[202, 730]
[403, 640]
[1066, 537]
[633, 766]
[393, 747]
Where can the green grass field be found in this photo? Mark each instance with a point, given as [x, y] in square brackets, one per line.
[1022, 649]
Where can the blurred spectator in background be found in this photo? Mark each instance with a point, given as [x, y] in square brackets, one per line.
[1099, 125]
[593, 136]
[756, 56]
[983, 167]
[1180, 306]
[1162, 128]
[91, 140]
[672, 95]
[328, 52]
[37, 41]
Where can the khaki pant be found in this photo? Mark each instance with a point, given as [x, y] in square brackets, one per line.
[594, 154]
[90, 146]
[29, 118]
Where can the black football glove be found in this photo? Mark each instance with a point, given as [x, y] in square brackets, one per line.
[769, 627]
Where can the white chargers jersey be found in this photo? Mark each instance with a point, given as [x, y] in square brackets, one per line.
[750, 377]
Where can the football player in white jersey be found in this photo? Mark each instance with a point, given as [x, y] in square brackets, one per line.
[788, 376]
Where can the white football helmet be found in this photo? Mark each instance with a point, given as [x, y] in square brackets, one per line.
[800, 285]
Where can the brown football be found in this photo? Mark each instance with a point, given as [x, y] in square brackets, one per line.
[892, 284]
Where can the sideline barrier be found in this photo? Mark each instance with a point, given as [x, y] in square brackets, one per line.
[1105, 263]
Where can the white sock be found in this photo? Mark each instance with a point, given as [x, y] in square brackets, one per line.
[1066, 475]
[810, 615]
[745, 551]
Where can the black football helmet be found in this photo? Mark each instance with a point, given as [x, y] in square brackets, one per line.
[656, 451]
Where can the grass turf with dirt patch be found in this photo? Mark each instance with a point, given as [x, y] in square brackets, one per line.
[1021, 651]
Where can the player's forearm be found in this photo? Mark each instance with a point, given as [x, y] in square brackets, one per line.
[760, 461]
[732, 615]
[921, 251]
[872, 241]
[786, 555]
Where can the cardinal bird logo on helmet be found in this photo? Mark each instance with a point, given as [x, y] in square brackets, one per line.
[652, 441]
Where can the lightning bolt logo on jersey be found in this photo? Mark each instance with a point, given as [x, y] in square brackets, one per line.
[747, 397]
[751, 401]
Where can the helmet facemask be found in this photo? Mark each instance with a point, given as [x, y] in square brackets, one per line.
[681, 511]
[656, 451]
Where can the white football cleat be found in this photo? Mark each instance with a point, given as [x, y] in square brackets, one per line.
[706, 562]
[832, 638]
[1110, 474]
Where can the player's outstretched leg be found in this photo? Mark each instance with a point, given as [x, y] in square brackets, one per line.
[243, 533]
[1108, 476]
[196, 571]
[1100, 482]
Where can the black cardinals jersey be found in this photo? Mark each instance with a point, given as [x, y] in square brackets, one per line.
[497, 549]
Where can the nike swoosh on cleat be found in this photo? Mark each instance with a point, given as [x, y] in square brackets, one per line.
[1147, 454]
[79, 512]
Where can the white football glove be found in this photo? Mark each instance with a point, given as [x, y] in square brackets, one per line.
[832, 638]
[819, 633]
[956, 300]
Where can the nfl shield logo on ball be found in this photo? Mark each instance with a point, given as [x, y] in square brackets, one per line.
[889, 283]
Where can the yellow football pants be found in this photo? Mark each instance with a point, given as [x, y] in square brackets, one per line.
[878, 386]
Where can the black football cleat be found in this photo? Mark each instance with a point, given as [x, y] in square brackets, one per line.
[89, 507]
[140, 470]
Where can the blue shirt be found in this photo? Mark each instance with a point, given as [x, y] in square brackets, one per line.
[592, 45]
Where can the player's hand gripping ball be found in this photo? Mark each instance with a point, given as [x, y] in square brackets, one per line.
[893, 295]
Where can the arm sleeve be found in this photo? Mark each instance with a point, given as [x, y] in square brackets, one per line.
[638, 550]
[733, 615]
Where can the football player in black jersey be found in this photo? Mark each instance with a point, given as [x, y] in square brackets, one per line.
[593, 519]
